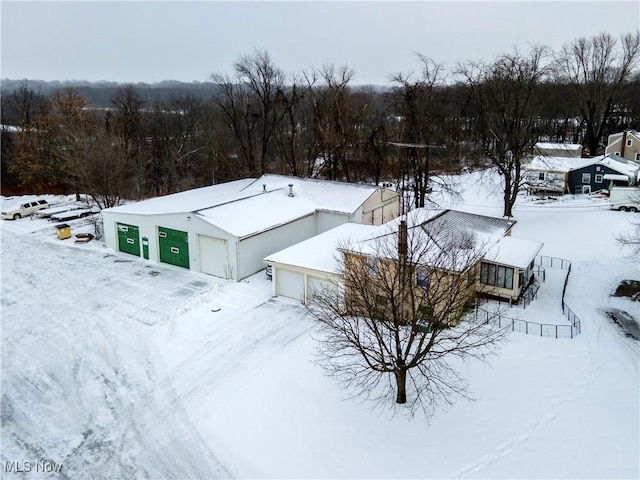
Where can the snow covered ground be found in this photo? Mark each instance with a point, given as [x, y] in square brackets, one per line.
[114, 367]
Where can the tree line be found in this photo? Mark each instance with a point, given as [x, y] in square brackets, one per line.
[259, 119]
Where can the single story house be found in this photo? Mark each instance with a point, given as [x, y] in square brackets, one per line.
[624, 144]
[564, 150]
[504, 268]
[226, 230]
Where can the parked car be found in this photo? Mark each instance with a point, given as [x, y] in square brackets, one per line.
[19, 210]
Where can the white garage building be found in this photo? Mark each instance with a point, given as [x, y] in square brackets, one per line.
[227, 230]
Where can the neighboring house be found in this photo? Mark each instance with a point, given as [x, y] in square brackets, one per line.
[502, 266]
[545, 174]
[564, 150]
[625, 144]
[578, 175]
[226, 230]
[602, 173]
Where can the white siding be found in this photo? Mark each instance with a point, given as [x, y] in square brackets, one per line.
[252, 250]
[327, 220]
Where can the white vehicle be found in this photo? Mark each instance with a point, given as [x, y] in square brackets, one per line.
[24, 209]
[625, 199]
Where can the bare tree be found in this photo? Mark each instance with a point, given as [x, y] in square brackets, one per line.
[253, 103]
[334, 118]
[631, 239]
[393, 327]
[597, 69]
[417, 103]
[507, 124]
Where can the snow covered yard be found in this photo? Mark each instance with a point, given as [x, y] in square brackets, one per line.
[116, 367]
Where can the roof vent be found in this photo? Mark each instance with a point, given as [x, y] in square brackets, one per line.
[291, 189]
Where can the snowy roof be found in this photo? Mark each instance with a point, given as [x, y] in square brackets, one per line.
[320, 252]
[324, 194]
[190, 200]
[515, 252]
[558, 164]
[558, 146]
[258, 213]
[308, 194]
[620, 165]
[446, 239]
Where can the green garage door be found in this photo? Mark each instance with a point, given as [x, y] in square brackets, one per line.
[128, 239]
[173, 246]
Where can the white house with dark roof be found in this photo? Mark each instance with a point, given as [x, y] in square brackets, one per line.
[226, 230]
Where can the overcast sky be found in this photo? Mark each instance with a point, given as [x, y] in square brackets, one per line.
[150, 41]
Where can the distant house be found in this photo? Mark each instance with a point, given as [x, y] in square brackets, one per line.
[625, 145]
[578, 175]
[564, 150]
[226, 230]
[504, 270]
[549, 175]
[602, 173]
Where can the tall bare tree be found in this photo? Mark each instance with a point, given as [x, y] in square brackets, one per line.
[507, 125]
[597, 68]
[335, 119]
[254, 104]
[417, 102]
[393, 327]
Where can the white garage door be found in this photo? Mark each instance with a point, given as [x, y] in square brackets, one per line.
[316, 285]
[214, 256]
[289, 284]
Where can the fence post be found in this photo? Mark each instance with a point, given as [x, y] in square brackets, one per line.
[540, 329]
[556, 331]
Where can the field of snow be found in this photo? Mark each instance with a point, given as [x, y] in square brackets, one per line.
[114, 367]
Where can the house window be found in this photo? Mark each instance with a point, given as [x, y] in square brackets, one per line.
[598, 178]
[541, 176]
[586, 178]
[373, 265]
[637, 157]
[629, 142]
[618, 154]
[422, 277]
[496, 275]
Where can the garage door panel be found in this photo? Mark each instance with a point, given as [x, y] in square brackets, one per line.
[128, 238]
[214, 256]
[289, 284]
[173, 246]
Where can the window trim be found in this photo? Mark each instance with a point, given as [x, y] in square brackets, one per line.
[629, 142]
[542, 176]
[599, 178]
[586, 176]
